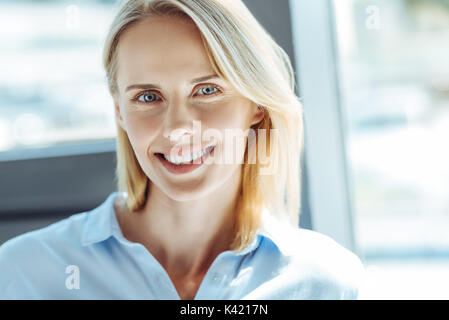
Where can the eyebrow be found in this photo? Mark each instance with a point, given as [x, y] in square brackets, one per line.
[155, 86]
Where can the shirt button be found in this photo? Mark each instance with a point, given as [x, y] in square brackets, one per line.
[216, 277]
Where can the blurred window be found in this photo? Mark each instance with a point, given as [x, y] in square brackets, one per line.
[394, 80]
[52, 85]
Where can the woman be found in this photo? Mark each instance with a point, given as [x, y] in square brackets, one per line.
[197, 215]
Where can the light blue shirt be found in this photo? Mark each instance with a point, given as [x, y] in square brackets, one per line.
[86, 256]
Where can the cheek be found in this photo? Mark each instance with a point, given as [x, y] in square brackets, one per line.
[231, 121]
[227, 116]
[141, 132]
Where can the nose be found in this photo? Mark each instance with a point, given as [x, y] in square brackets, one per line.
[178, 123]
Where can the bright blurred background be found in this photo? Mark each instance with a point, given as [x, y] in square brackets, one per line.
[393, 70]
[394, 81]
[52, 88]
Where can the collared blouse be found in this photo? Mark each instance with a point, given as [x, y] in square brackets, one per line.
[86, 256]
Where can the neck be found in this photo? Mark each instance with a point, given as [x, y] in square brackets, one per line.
[185, 237]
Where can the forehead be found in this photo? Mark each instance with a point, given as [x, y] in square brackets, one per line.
[161, 48]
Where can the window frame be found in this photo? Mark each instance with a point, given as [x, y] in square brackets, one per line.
[316, 55]
[57, 180]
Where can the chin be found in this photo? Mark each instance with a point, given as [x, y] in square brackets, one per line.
[182, 194]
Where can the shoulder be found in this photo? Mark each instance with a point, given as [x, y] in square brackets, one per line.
[62, 236]
[67, 230]
[314, 266]
[327, 264]
[38, 257]
[323, 249]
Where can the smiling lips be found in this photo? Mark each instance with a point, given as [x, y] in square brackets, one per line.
[186, 159]
[181, 165]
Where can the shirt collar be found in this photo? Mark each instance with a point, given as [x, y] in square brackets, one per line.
[101, 223]
[279, 231]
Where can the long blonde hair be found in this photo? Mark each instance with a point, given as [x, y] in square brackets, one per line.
[242, 52]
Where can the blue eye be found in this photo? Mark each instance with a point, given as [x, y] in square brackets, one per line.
[151, 97]
[144, 97]
[209, 90]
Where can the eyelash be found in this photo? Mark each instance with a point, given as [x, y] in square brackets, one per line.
[136, 98]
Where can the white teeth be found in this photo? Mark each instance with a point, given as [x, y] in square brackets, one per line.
[185, 159]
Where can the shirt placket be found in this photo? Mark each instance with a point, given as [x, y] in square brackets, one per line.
[219, 275]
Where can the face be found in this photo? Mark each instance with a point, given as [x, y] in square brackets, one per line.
[169, 99]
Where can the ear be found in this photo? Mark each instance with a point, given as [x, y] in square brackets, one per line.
[118, 115]
[258, 114]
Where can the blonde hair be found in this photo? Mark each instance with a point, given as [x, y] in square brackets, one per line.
[241, 51]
